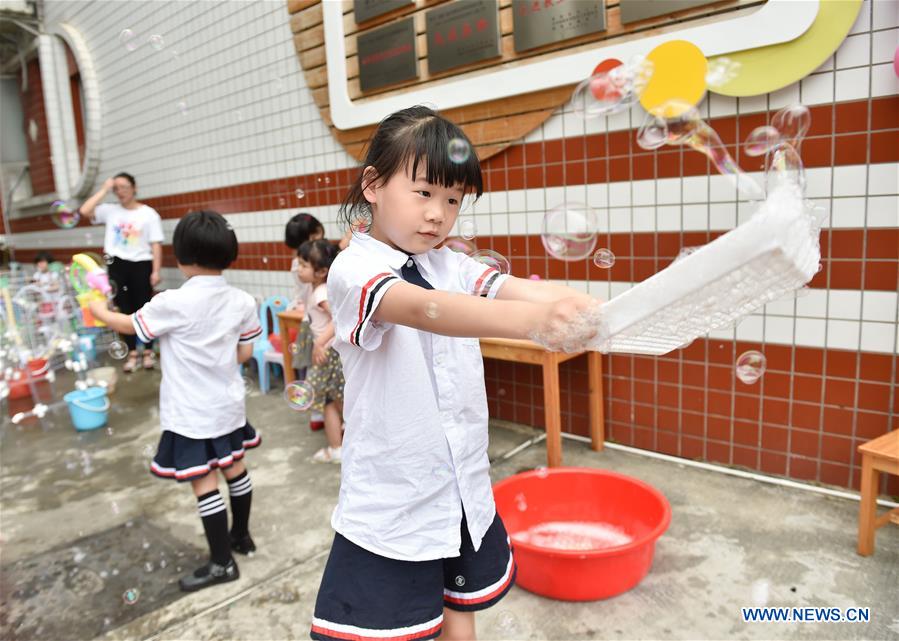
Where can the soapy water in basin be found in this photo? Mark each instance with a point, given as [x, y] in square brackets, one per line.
[573, 535]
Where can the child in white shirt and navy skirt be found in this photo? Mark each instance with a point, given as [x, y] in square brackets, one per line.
[205, 329]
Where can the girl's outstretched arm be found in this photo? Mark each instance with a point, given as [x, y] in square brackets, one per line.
[464, 315]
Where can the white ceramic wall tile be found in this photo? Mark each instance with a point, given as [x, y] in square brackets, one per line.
[878, 337]
[883, 179]
[850, 180]
[855, 51]
[884, 45]
[843, 334]
[885, 14]
[883, 80]
[845, 303]
[779, 329]
[852, 84]
[847, 213]
[810, 332]
[879, 306]
[817, 89]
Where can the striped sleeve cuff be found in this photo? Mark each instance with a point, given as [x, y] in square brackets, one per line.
[489, 283]
[250, 336]
[369, 299]
[140, 327]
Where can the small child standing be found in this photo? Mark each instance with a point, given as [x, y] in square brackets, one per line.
[297, 231]
[326, 373]
[206, 329]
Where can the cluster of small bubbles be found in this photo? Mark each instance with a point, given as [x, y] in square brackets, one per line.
[299, 396]
[145, 545]
[468, 229]
[750, 366]
[130, 596]
[721, 71]
[157, 42]
[569, 231]
[613, 90]
[62, 216]
[604, 258]
[299, 193]
[128, 39]
[493, 259]
[118, 349]
[458, 150]
[431, 310]
[521, 502]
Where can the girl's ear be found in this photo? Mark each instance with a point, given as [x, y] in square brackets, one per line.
[369, 179]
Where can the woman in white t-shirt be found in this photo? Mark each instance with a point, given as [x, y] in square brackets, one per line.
[133, 243]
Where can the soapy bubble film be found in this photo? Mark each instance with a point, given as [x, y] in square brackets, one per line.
[569, 231]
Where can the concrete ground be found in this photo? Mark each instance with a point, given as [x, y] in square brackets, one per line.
[92, 544]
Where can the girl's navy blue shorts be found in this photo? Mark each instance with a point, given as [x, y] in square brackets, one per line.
[364, 596]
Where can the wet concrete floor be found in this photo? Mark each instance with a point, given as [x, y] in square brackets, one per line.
[92, 544]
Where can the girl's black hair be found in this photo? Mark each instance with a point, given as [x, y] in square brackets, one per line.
[318, 253]
[206, 239]
[127, 177]
[300, 228]
[413, 135]
[42, 255]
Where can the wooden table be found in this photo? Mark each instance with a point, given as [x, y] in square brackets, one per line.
[878, 455]
[286, 320]
[522, 351]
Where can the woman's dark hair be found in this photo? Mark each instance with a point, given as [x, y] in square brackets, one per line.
[127, 177]
[300, 228]
[413, 135]
[206, 239]
[47, 256]
[318, 253]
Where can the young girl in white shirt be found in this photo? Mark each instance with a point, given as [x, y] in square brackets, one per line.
[205, 329]
[418, 545]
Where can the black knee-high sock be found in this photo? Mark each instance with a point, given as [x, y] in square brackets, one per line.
[215, 522]
[241, 490]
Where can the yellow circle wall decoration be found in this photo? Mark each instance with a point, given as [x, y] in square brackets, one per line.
[768, 69]
[678, 79]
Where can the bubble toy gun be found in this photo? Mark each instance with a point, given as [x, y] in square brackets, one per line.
[90, 282]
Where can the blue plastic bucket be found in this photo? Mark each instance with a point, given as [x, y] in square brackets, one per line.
[88, 408]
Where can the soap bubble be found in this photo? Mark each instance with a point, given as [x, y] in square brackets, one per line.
[604, 258]
[534, 277]
[792, 122]
[468, 229]
[299, 193]
[62, 216]
[127, 38]
[653, 133]
[750, 366]
[569, 231]
[786, 168]
[182, 107]
[721, 71]
[157, 42]
[459, 150]
[691, 130]
[130, 596]
[118, 349]
[493, 259]
[431, 310]
[461, 245]
[265, 260]
[609, 92]
[293, 348]
[761, 140]
[299, 396]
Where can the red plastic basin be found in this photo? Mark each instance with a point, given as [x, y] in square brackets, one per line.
[582, 494]
[18, 386]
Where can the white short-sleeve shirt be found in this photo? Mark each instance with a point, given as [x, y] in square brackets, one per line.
[415, 447]
[199, 326]
[129, 232]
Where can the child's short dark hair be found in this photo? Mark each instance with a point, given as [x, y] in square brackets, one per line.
[206, 239]
[318, 253]
[300, 228]
[42, 255]
[413, 135]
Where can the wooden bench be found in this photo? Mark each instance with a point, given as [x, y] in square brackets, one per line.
[879, 455]
[522, 351]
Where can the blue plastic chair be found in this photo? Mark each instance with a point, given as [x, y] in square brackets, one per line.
[271, 306]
